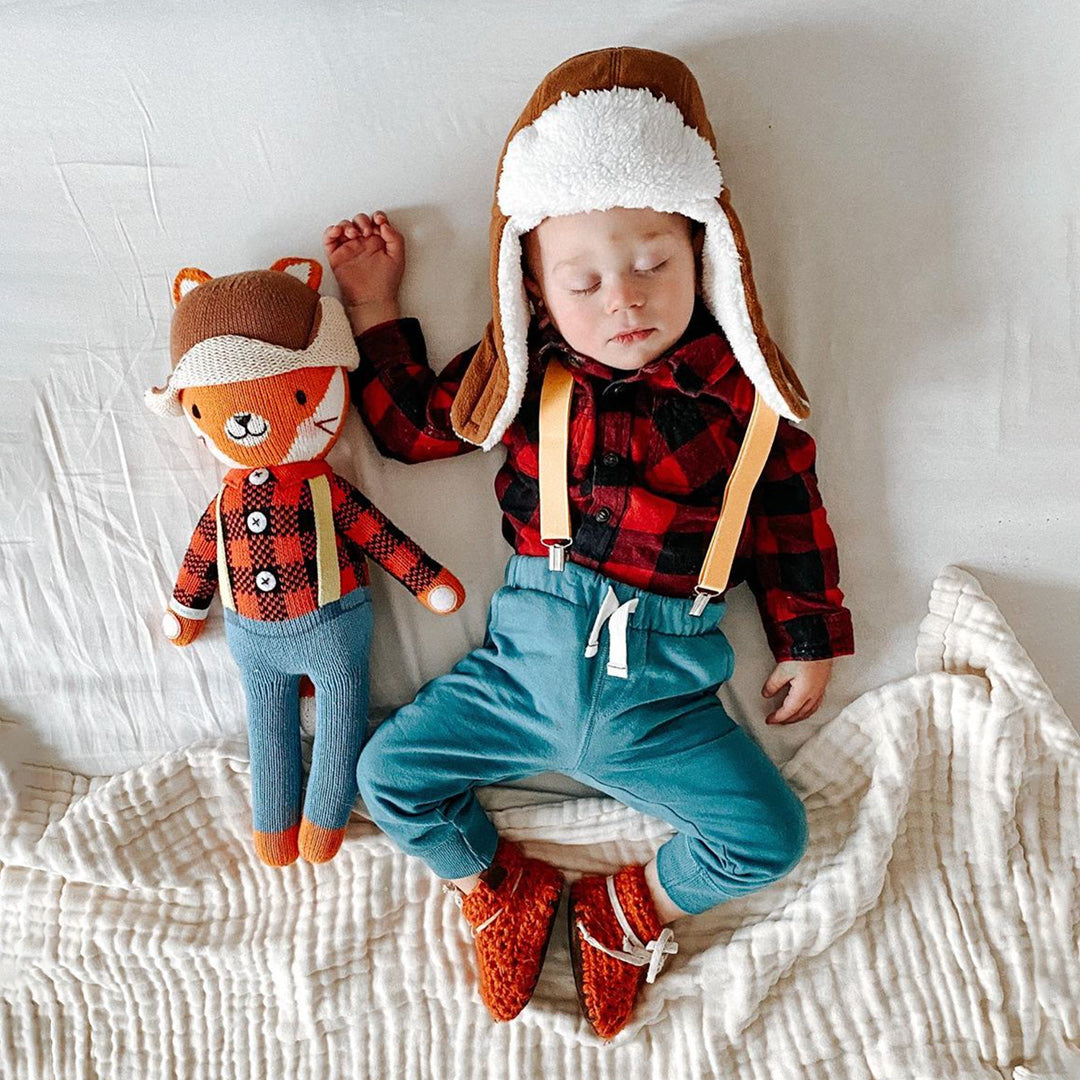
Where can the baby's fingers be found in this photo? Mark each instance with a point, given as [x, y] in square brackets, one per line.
[794, 709]
[394, 241]
[363, 224]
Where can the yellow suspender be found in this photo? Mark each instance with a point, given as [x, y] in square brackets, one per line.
[555, 504]
[325, 541]
[224, 584]
[555, 395]
[749, 464]
[326, 555]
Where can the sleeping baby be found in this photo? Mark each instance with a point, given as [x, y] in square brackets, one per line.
[652, 463]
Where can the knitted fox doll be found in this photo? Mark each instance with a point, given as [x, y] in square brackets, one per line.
[259, 370]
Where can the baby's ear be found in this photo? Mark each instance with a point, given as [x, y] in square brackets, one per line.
[307, 270]
[532, 289]
[189, 278]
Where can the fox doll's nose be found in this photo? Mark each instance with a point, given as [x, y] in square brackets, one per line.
[242, 418]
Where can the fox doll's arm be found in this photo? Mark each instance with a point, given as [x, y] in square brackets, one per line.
[357, 518]
[195, 584]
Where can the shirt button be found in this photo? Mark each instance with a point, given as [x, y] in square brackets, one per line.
[602, 515]
[265, 581]
[610, 459]
[259, 476]
[256, 521]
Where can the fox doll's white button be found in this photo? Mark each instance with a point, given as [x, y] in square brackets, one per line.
[256, 521]
[170, 626]
[442, 598]
[265, 581]
[259, 476]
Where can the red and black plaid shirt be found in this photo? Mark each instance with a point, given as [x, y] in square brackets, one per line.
[271, 545]
[650, 455]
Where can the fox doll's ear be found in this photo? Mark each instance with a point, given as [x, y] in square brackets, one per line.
[306, 270]
[189, 278]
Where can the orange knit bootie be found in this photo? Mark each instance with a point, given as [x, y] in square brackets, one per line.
[617, 942]
[512, 913]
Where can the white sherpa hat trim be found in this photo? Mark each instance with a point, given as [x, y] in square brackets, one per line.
[230, 358]
[574, 158]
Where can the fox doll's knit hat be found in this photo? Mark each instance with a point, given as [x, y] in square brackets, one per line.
[615, 127]
[250, 326]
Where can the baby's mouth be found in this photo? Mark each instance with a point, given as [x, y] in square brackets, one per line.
[632, 336]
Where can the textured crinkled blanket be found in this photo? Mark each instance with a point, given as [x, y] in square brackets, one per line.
[931, 931]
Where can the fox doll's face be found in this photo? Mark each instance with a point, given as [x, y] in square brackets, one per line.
[271, 421]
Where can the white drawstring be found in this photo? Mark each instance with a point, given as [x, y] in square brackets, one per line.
[617, 617]
[449, 887]
[607, 609]
[654, 954]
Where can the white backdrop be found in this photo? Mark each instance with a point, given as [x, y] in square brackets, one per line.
[907, 175]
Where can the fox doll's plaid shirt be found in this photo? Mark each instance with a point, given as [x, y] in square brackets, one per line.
[650, 454]
[272, 546]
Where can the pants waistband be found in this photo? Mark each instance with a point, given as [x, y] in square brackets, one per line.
[586, 588]
[299, 624]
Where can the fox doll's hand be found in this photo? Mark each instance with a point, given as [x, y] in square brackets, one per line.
[444, 595]
[179, 629]
[367, 256]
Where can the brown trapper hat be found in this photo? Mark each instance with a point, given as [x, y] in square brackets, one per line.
[251, 325]
[615, 127]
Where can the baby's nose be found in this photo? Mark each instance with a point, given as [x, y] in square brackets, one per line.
[624, 294]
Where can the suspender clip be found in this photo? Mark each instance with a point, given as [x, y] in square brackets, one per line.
[702, 596]
[556, 554]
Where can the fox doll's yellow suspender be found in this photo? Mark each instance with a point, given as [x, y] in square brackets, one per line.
[555, 398]
[329, 573]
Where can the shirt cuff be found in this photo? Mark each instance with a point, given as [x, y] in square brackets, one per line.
[386, 342]
[813, 637]
[188, 612]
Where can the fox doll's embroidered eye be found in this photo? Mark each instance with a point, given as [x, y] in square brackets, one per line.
[195, 412]
[301, 397]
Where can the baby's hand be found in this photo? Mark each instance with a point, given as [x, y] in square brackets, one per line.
[808, 679]
[367, 256]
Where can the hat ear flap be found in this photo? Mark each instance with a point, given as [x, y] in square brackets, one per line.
[306, 270]
[191, 277]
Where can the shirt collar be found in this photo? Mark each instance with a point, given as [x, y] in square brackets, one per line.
[293, 473]
[695, 364]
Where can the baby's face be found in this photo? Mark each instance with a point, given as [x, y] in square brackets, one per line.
[618, 284]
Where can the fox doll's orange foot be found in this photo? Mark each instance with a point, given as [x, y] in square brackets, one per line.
[277, 848]
[319, 845]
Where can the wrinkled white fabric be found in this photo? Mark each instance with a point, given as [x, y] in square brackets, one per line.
[906, 173]
[930, 931]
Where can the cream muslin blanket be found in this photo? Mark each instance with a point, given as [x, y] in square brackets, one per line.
[930, 931]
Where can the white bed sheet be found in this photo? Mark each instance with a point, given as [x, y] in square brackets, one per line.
[930, 930]
[906, 173]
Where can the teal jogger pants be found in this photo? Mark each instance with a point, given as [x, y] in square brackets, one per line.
[612, 686]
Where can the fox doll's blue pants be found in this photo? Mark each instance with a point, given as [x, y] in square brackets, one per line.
[634, 714]
[330, 645]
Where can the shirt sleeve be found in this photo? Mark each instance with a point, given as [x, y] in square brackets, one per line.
[198, 577]
[793, 568]
[356, 517]
[405, 405]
